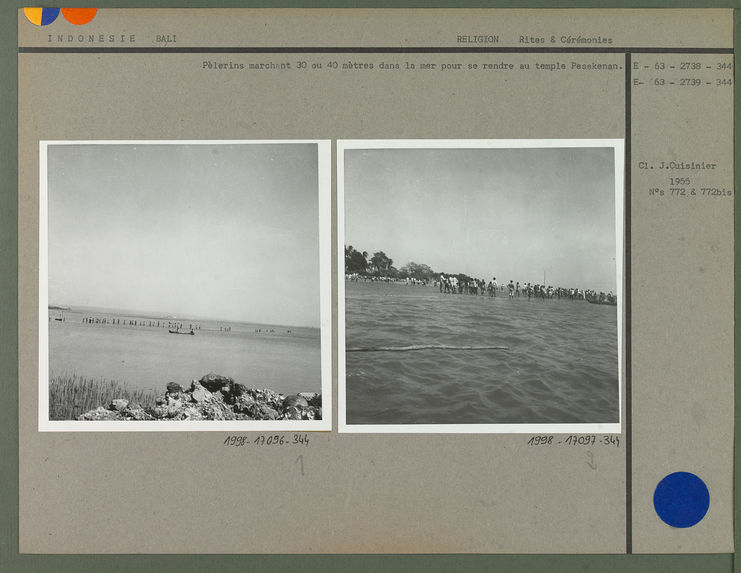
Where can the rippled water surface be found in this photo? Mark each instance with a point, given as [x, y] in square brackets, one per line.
[561, 365]
[146, 356]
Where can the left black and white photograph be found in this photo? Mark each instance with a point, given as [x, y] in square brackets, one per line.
[184, 285]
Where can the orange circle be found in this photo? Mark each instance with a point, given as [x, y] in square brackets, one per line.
[79, 16]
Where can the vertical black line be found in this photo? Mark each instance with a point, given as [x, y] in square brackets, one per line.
[627, 325]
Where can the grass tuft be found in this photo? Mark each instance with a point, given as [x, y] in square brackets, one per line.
[72, 396]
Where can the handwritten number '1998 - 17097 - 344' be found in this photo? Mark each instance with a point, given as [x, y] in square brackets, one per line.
[574, 440]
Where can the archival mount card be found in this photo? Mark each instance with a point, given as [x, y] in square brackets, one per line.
[374, 281]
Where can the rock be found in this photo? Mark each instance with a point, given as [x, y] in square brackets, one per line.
[270, 414]
[200, 394]
[243, 404]
[218, 411]
[173, 411]
[190, 413]
[137, 414]
[266, 396]
[295, 402]
[263, 412]
[214, 397]
[160, 411]
[291, 413]
[174, 388]
[213, 382]
[313, 398]
[118, 405]
[311, 413]
[101, 414]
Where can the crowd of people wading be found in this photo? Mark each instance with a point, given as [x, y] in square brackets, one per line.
[379, 268]
[452, 284]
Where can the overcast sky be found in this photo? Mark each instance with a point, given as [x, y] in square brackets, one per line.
[221, 231]
[509, 213]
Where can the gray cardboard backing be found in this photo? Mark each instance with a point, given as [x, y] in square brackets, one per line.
[144, 492]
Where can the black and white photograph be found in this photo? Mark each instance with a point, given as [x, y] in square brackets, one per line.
[181, 285]
[481, 284]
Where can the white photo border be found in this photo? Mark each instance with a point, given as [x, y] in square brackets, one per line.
[324, 180]
[618, 146]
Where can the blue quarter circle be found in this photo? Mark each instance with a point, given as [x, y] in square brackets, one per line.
[48, 15]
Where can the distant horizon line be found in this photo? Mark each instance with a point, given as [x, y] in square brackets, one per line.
[166, 316]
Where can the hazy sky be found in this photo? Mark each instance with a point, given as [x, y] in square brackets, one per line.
[223, 231]
[509, 213]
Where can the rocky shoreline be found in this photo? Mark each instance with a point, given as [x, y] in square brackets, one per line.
[214, 397]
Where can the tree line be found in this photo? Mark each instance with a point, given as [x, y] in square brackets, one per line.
[381, 265]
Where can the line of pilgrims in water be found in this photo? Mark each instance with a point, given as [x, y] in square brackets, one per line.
[451, 284]
[455, 285]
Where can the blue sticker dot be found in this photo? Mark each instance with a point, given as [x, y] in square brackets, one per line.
[681, 499]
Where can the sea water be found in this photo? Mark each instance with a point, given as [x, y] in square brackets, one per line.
[561, 365]
[146, 356]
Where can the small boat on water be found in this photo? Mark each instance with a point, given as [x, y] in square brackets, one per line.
[178, 332]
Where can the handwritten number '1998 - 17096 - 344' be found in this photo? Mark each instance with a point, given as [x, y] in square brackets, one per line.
[268, 440]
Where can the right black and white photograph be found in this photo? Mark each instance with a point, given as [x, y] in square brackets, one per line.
[481, 285]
